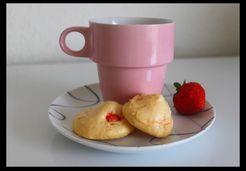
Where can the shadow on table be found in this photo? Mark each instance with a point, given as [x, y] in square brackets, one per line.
[66, 152]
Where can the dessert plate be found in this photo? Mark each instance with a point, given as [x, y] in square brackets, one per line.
[63, 109]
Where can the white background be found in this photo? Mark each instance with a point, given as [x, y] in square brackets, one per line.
[202, 30]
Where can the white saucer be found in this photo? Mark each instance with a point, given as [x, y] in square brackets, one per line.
[63, 109]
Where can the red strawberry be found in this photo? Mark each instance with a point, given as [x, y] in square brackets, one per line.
[190, 98]
[111, 117]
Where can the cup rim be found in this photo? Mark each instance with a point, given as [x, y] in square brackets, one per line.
[130, 21]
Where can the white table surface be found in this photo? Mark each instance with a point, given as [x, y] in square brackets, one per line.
[32, 140]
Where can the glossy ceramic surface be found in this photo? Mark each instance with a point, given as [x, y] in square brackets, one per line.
[131, 53]
[63, 109]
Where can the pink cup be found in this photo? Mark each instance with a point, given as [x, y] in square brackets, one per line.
[131, 54]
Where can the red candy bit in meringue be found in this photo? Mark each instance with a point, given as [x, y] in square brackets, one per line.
[111, 117]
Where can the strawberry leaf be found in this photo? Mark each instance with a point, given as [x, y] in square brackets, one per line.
[177, 85]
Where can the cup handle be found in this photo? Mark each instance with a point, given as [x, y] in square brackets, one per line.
[86, 50]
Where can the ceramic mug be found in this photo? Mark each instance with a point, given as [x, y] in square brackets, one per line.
[131, 53]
